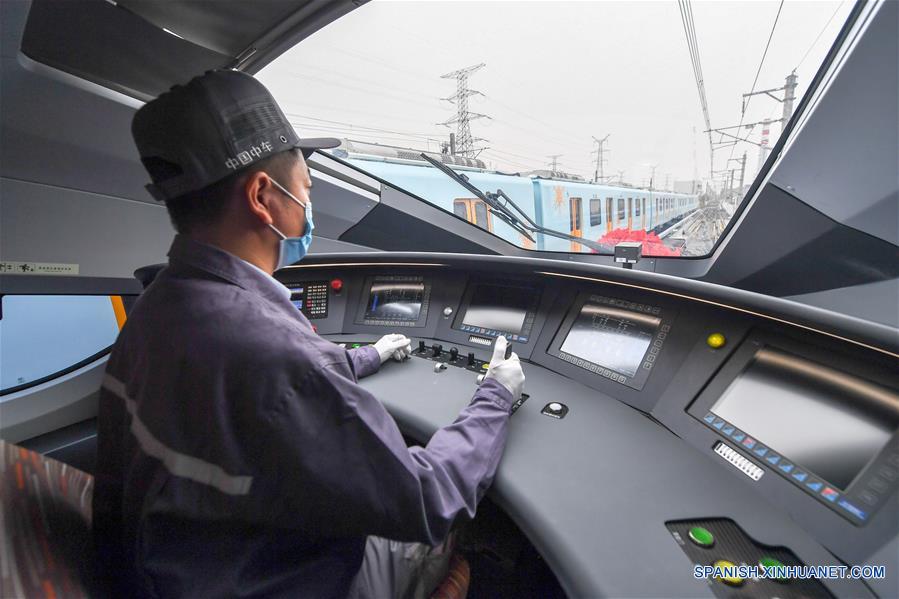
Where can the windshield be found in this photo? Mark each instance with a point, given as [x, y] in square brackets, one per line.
[602, 121]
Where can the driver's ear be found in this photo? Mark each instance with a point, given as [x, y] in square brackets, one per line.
[257, 194]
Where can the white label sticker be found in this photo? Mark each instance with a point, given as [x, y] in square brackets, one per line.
[37, 268]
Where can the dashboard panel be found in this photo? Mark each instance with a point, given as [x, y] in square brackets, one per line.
[642, 396]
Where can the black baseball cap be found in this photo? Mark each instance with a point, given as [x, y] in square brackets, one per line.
[217, 124]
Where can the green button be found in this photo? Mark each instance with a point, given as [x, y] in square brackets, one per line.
[701, 536]
[355, 345]
[770, 562]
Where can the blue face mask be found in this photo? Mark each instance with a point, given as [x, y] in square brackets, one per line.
[293, 249]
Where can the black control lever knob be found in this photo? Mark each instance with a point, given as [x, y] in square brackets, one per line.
[421, 347]
[454, 353]
[471, 358]
[436, 350]
[508, 350]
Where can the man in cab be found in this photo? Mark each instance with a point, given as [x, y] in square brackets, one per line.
[237, 453]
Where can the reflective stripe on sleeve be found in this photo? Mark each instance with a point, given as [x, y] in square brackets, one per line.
[177, 463]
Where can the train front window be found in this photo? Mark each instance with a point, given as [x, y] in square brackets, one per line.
[675, 110]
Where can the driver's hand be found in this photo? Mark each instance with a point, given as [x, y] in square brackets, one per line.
[394, 345]
[506, 372]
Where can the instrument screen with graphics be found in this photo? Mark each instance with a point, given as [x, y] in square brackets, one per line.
[615, 338]
[395, 300]
[611, 337]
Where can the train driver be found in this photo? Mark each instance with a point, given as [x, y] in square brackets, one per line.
[237, 455]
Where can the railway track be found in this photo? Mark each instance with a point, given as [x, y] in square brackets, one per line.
[697, 234]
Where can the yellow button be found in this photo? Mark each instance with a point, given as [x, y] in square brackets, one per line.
[734, 580]
[485, 366]
[716, 340]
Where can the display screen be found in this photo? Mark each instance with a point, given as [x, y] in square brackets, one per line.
[499, 308]
[395, 301]
[297, 295]
[830, 422]
[611, 337]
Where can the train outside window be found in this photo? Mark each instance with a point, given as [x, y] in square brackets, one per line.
[595, 212]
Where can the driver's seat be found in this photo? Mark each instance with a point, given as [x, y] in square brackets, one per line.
[45, 516]
[45, 512]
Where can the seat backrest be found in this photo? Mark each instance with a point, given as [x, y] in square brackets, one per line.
[46, 522]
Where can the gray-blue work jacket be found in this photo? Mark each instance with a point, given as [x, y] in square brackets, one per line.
[238, 456]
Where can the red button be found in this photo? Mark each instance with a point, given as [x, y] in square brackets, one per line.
[336, 285]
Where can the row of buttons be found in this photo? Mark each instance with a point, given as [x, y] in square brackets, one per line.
[387, 323]
[877, 484]
[317, 300]
[587, 365]
[310, 309]
[787, 469]
[601, 299]
[493, 333]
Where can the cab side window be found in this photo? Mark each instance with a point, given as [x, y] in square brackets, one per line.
[42, 336]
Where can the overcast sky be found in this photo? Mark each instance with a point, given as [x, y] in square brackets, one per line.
[556, 74]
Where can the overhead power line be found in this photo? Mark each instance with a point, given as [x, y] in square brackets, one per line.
[686, 12]
[817, 37]
[345, 125]
[764, 55]
[757, 73]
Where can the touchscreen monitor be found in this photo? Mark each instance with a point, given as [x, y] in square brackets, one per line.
[611, 337]
[499, 308]
[831, 422]
[395, 301]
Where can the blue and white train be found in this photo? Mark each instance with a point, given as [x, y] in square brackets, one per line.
[553, 200]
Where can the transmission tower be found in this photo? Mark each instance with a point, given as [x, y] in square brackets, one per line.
[464, 140]
[554, 165]
[599, 151]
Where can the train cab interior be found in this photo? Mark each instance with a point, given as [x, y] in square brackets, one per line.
[736, 407]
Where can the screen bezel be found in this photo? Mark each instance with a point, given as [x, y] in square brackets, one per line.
[378, 322]
[871, 370]
[525, 335]
[650, 357]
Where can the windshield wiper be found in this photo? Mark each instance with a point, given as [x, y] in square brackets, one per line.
[524, 225]
[498, 209]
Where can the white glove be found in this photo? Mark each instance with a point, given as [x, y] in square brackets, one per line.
[396, 345]
[508, 373]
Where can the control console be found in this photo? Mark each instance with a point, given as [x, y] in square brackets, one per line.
[451, 357]
[845, 451]
[724, 546]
